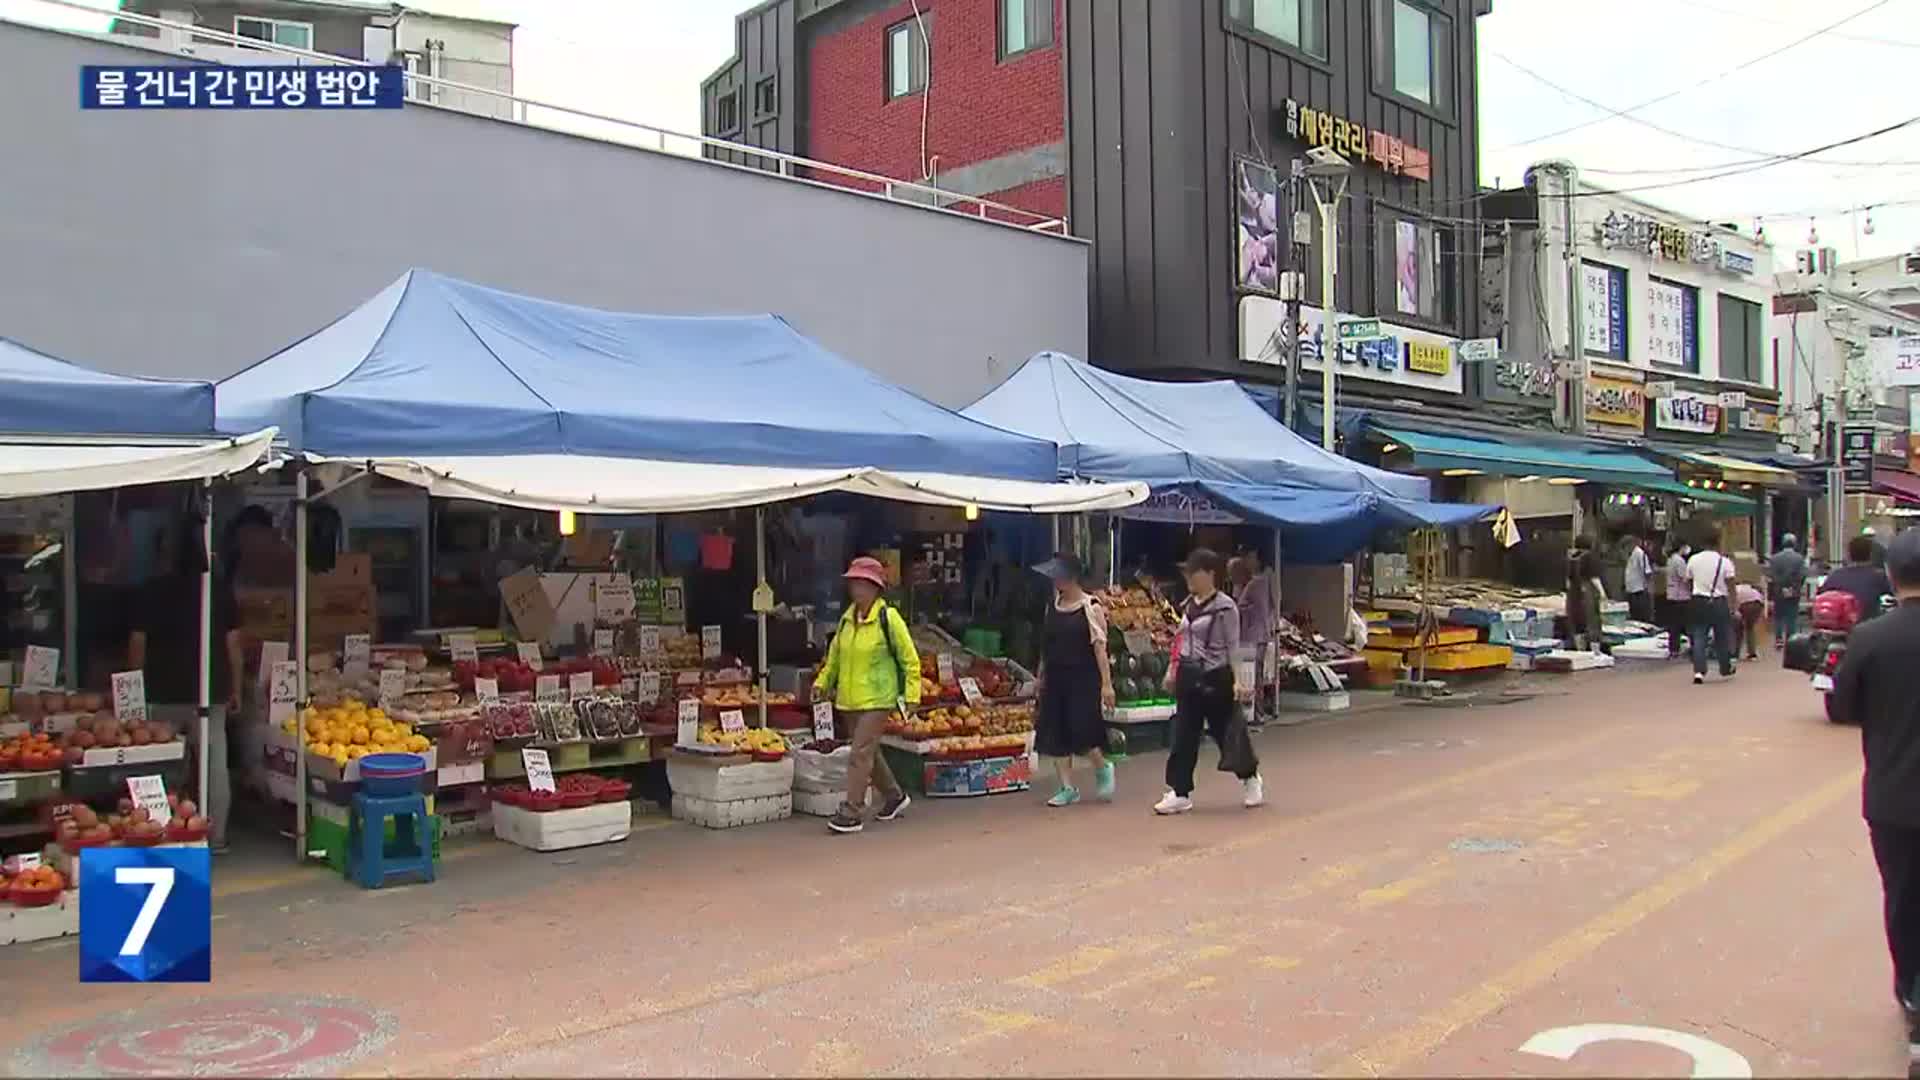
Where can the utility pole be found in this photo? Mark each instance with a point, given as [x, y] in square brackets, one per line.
[1292, 257]
[1334, 169]
[1576, 303]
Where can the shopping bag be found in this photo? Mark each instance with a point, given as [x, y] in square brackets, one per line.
[1236, 752]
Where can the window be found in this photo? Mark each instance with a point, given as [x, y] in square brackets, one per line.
[1300, 24]
[298, 35]
[1673, 325]
[1603, 311]
[726, 113]
[1739, 339]
[1414, 263]
[907, 44]
[766, 97]
[1413, 52]
[1025, 25]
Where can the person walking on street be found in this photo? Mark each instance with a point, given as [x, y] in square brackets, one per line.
[1710, 612]
[871, 669]
[1206, 694]
[1679, 594]
[1878, 683]
[1076, 682]
[1786, 578]
[1749, 606]
[1638, 580]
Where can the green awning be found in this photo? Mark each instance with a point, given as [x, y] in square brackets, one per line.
[1433, 451]
[1728, 499]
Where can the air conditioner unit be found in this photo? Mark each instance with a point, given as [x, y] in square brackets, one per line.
[1803, 261]
[1826, 260]
[1910, 265]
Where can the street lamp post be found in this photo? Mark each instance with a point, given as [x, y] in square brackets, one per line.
[1328, 168]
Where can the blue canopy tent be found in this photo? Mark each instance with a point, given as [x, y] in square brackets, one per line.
[44, 395]
[1212, 438]
[436, 366]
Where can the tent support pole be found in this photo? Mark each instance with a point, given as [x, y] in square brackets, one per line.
[206, 646]
[1113, 549]
[70, 598]
[300, 662]
[1053, 522]
[760, 615]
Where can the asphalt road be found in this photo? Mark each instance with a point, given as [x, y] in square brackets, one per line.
[1625, 875]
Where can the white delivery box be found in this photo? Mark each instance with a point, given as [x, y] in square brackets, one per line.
[554, 830]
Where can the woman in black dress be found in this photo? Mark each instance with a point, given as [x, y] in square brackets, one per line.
[1076, 685]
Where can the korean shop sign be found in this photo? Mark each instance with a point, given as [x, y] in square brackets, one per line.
[1616, 402]
[1688, 410]
[1351, 139]
[1631, 232]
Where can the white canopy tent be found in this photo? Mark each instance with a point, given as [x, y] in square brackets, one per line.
[588, 484]
[33, 466]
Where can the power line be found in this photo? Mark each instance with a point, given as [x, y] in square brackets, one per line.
[1669, 95]
[1759, 155]
[1864, 39]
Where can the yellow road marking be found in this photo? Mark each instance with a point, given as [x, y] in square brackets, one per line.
[1075, 964]
[1176, 964]
[1201, 983]
[858, 953]
[831, 1057]
[1279, 963]
[1435, 870]
[1431, 1031]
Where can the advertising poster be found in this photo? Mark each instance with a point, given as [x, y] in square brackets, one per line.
[1258, 232]
[1406, 262]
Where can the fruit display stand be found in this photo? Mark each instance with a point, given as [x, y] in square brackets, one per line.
[37, 901]
[1137, 729]
[728, 790]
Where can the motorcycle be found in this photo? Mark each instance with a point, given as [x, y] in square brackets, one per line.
[1835, 616]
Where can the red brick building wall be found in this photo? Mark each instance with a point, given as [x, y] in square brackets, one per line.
[977, 107]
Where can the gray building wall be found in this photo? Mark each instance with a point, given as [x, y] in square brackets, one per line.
[192, 242]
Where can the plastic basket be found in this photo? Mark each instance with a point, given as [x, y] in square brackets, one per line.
[392, 774]
[33, 897]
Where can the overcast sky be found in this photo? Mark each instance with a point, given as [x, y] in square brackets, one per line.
[1707, 60]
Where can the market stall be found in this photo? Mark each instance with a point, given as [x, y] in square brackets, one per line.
[474, 394]
[83, 767]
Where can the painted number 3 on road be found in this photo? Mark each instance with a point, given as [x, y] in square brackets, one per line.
[1710, 1059]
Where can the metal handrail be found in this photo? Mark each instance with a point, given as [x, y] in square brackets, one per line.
[891, 188]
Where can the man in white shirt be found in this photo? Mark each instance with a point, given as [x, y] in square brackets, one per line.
[1639, 570]
[1710, 577]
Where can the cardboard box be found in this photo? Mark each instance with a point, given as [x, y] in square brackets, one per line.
[349, 568]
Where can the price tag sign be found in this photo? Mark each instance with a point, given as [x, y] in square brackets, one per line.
[823, 720]
[283, 687]
[580, 684]
[970, 689]
[529, 653]
[28, 861]
[647, 687]
[547, 688]
[149, 793]
[733, 720]
[271, 653]
[944, 664]
[42, 669]
[649, 641]
[689, 721]
[603, 642]
[463, 647]
[357, 655]
[393, 687]
[762, 599]
[710, 643]
[487, 691]
[539, 769]
[613, 600]
[9, 790]
[130, 697]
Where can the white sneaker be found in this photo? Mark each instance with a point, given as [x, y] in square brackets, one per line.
[1256, 791]
[1173, 804]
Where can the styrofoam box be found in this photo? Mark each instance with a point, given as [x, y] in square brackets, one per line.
[60, 919]
[732, 813]
[730, 783]
[555, 830]
[817, 803]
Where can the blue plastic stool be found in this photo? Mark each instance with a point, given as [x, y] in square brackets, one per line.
[371, 860]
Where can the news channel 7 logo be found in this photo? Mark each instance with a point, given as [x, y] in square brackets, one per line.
[146, 915]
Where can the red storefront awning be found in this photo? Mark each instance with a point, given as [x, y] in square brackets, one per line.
[1898, 483]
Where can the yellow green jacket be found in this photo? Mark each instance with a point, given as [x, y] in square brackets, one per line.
[860, 672]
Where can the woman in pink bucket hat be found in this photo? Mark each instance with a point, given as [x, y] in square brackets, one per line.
[871, 669]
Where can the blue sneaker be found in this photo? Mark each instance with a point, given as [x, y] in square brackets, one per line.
[1066, 796]
[1103, 782]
